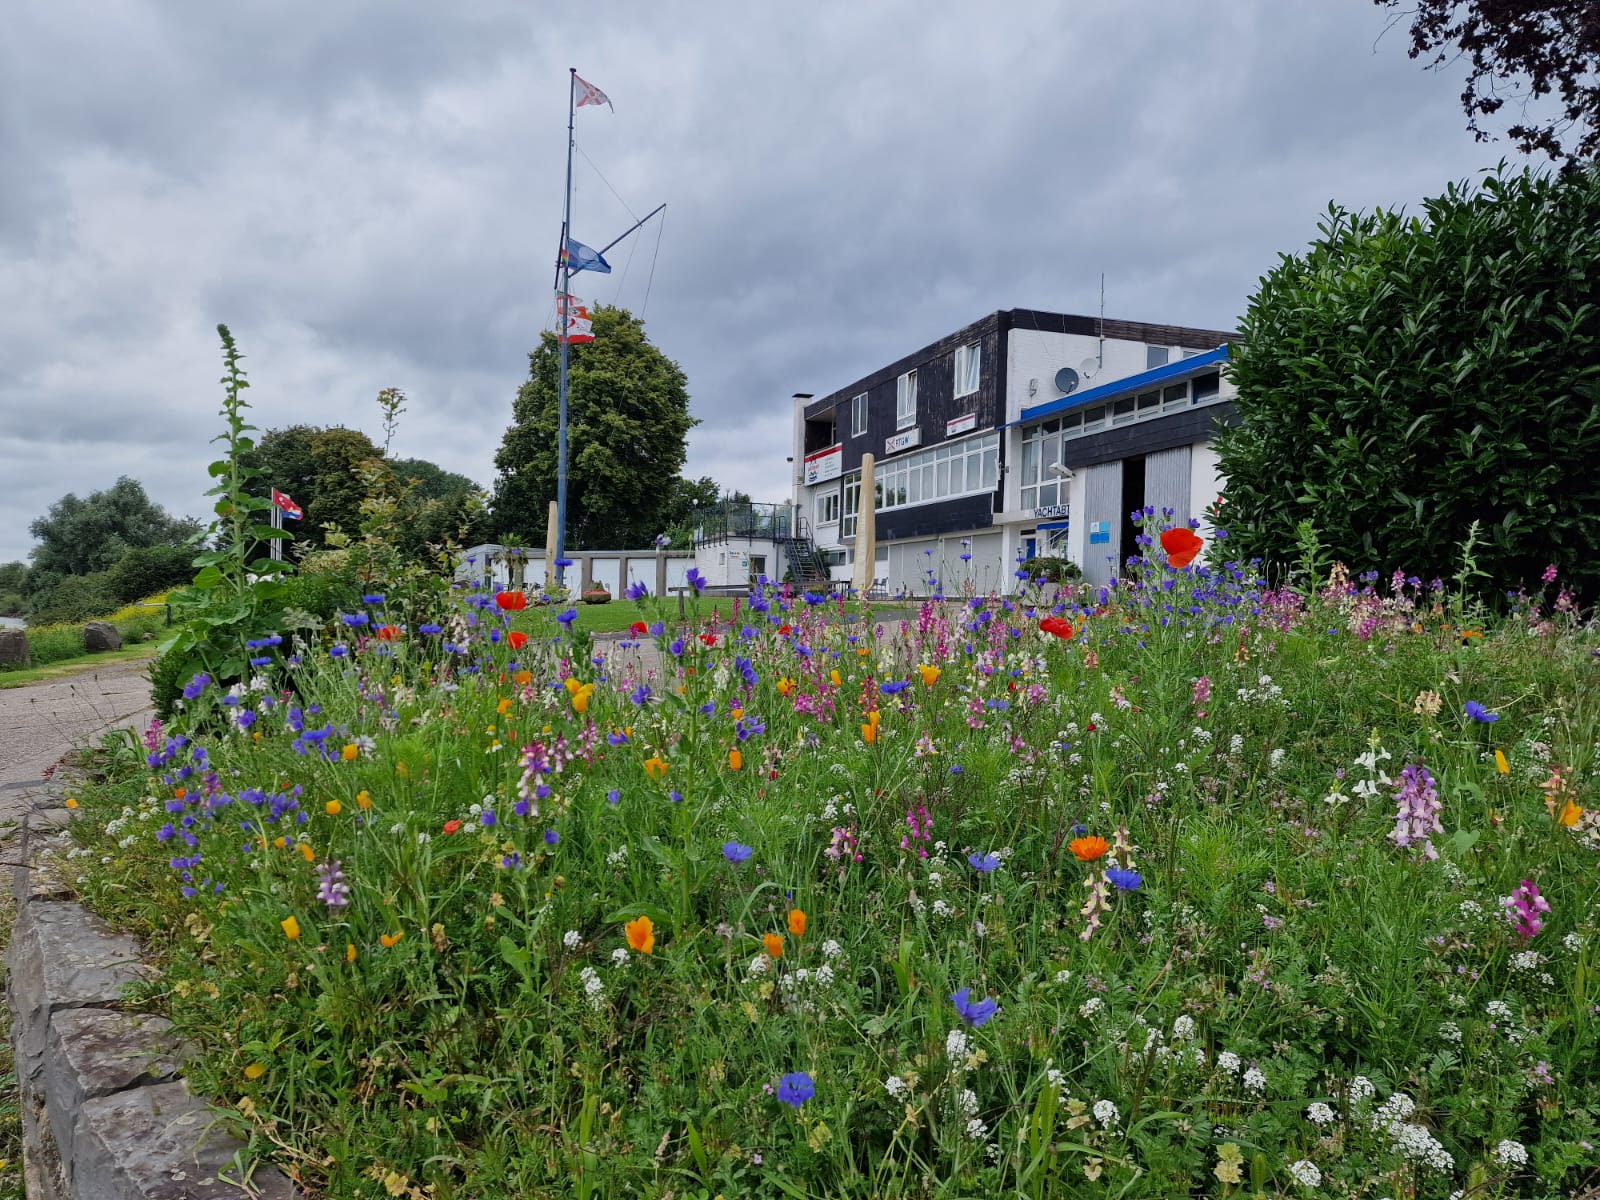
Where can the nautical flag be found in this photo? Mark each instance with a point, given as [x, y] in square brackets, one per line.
[574, 319]
[578, 257]
[589, 94]
[289, 507]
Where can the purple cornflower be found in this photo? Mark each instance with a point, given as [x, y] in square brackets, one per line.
[568, 617]
[983, 863]
[1479, 713]
[1124, 879]
[695, 580]
[354, 620]
[551, 837]
[637, 590]
[894, 687]
[195, 686]
[736, 852]
[641, 694]
[795, 1088]
[487, 817]
[1417, 816]
[976, 1013]
[1523, 908]
[331, 889]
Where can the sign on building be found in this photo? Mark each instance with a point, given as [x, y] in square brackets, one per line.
[824, 465]
[902, 441]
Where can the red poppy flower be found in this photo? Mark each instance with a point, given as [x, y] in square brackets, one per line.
[785, 630]
[709, 639]
[517, 638]
[1057, 627]
[389, 632]
[638, 629]
[511, 601]
[1181, 545]
[452, 826]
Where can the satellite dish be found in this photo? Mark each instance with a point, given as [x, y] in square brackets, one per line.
[1066, 381]
[1089, 368]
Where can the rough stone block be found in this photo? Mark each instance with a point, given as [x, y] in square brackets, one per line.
[160, 1143]
[62, 957]
[93, 1052]
[101, 635]
[14, 648]
[41, 873]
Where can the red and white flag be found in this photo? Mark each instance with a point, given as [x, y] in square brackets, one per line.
[289, 507]
[573, 317]
[589, 94]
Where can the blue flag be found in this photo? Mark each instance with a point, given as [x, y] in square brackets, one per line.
[578, 257]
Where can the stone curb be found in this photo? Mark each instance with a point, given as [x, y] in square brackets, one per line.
[105, 1115]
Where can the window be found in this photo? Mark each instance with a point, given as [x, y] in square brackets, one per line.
[905, 401]
[1202, 389]
[858, 415]
[1041, 447]
[852, 505]
[966, 369]
[953, 469]
[827, 508]
[1156, 356]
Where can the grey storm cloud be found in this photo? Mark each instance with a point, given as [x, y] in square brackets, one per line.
[369, 194]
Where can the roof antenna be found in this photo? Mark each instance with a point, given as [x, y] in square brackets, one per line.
[1090, 367]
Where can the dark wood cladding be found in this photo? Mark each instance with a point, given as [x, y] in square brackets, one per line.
[1147, 437]
[926, 520]
[1127, 331]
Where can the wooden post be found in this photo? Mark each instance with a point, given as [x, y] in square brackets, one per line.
[552, 534]
[866, 530]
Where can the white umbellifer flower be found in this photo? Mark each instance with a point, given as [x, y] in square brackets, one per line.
[570, 939]
[1361, 1089]
[1511, 1154]
[1228, 1061]
[593, 989]
[1305, 1173]
[977, 1130]
[1417, 1144]
[1091, 1007]
[1106, 1113]
[1063, 976]
[424, 838]
[1573, 942]
[1526, 960]
[618, 857]
[1183, 1028]
[758, 966]
[895, 1086]
[967, 1102]
[1319, 1114]
[619, 957]
[398, 828]
[1499, 1010]
[1470, 910]
[1393, 1111]
[831, 949]
[1450, 1031]
[1255, 1081]
[955, 1045]
[1057, 1079]
[941, 909]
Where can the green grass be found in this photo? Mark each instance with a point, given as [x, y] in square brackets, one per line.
[77, 665]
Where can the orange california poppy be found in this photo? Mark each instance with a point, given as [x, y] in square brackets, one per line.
[641, 933]
[1570, 815]
[389, 632]
[930, 675]
[517, 638]
[333, 808]
[774, 944]
[797, 922]
[1087, 849]
[655, 766]
[511, 601]
[1181, 545]
[390, 940]
[291, 928]
[735, 759]
[785, 686]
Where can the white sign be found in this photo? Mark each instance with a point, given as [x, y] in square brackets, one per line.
[1050, 510]
[961, 425]
[902, 441]
[824, 465]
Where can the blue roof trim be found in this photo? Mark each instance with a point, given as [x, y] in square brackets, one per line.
[1053, 525]
[1181, 369]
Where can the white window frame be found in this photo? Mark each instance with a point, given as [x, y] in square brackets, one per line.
[850, 505]
[858, 414]
[971, 468]
[968, 360]
[905, 401]
[827, 507]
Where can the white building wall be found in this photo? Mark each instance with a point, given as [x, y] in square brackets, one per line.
[1205, 483]
[1033, 357]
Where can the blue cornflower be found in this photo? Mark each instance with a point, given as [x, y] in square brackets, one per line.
[487, 817]
[984, 862]
[551, 837]
[976, 1013]
[637, 590]
[1479, 713]
[676, 647]
[430, 628]
[195, 686]
[640, 694]
[374, 598]
[736, 852]
[262, 661]
[812, 598]
[246, 719]
[568, 617]
[613, 797]
[694, 579]
[748, 727]
[1125, 879]
[511, 861]
[795, 1088]
[894, 687]
[338, 651]
[675, 796]
[354, 619]
[617, 738]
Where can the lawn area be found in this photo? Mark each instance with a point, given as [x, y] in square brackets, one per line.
[1183, 887]
[22, 676]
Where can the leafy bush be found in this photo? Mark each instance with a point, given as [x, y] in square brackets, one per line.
[1405, 377]
[74, 598]
[1054, 570]
[146, 570]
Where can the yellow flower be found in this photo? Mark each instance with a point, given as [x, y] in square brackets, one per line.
[363, 800]
[401, 769]
[280, 841]
[307, 853]
[350, 752]
[1229, 1160]
[930, 675]
[834, 675]
[504, 706]
[736, 713]
[333, 808]
[655, 766]
[735, 759]
[1570, 815]
[785, 686]
[1500, 763]
[349, 952]
[797, 922]
[390, 940]
[255, 1071]
[291, 928]
[571, 684]
[869, 734]
[641, 933]
[71, 803]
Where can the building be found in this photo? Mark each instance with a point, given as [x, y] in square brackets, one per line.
[1023, 434]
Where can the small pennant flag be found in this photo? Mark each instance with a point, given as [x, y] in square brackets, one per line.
[574, 319]
[289, 507]
[589, 94]
[578, 257]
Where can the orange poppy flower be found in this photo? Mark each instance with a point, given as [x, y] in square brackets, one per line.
[655, 766]
[930, 675]
[1570, 815]
[333, 808]
[774, 944]
[452, 826]
[785, 686]
[391, 940]
[363, 800]
[389, 632]
[797, 922]
[511, 601]
[1087, 849]
[307, 853]
[291, 928]
[641, 933]
[1181, 545]
[735, 759]
[517, 638]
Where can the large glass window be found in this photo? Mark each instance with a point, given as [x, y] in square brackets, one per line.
[966, 369]
[852, 505]
[1202, 389]
[827, 507]
[858, 415]
[1041, 448]
[905, 401]
[953, 469]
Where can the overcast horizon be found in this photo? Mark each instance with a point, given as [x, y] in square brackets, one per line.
[369, 196]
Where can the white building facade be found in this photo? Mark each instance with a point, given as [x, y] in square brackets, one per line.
[1023, 434]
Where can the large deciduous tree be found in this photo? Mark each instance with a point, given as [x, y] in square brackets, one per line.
[80, 537]
[1409, 375]
[628, 422]
[316, 467]
[1529, 52]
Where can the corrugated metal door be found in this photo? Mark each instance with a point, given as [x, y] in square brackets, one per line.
[1166, 482]
[1102, 501]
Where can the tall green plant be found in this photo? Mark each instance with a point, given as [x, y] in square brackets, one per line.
[233, 598]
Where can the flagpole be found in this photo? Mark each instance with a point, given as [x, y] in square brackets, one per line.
[277, 523]
[562, 317]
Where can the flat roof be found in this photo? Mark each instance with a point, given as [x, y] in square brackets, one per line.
[1154, 377]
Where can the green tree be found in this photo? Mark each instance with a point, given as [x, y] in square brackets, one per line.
[437, 506]
[1407, 376]
[319, 469]
[628, 422]
[80, 537]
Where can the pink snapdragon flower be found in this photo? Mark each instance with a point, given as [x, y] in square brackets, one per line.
[1523, 908]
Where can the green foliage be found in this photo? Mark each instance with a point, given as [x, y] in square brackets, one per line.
[74, 598]
[317, 468]
[628, 421]
[1054, 570]
[150, 569]
[80, 537]
[1406, 377]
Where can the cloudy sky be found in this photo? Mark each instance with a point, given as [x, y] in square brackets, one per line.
[369, 193]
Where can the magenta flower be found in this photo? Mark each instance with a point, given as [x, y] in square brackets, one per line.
[1417, 817]
[1523, 908]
